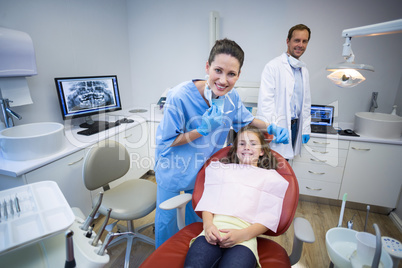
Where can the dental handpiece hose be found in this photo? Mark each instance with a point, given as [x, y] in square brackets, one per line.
[91, 216]
[342, 209]
[70, 260]
[98, 236]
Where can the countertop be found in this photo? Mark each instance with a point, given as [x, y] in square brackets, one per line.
[76, 142]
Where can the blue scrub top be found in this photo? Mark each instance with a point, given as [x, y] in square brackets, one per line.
[176, 167]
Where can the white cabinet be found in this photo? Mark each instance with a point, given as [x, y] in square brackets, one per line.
[319, 168]
[373, 174]
[152, 127]
[135, 140]
[67, 173]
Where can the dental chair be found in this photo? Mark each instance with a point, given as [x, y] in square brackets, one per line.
[173, 252]
[104, 163]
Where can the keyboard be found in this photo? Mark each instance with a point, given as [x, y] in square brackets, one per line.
[96, 128]
[323, 129]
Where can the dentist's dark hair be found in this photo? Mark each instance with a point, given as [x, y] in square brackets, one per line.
[229, 47]
[267, 160]
[299, 27]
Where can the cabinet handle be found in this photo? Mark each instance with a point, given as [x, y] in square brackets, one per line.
[315, 151]
[313, 189]
[323, 143]
[126, 137]
[316, 160]
[316, 173]
[360, 149]
[73, 163]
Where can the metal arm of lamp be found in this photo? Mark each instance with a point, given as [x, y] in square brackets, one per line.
[345, 74]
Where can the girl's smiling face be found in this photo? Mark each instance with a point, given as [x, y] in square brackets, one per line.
[249, 148]
[223, 73]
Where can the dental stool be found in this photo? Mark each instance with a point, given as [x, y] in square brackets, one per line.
[173, 252]
[108, 161]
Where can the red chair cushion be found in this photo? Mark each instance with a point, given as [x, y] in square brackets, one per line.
[291, 197]
[173, 252]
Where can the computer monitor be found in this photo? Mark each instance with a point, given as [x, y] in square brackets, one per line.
[322, 115]
[86, 96]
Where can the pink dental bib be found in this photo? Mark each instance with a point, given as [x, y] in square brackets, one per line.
[250, 193]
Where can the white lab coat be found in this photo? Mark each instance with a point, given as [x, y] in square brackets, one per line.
[275, 94]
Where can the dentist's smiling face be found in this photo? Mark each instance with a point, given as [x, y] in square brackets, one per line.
[297, 45]
[223, 73]
[249, 148]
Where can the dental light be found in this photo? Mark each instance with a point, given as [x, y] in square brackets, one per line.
[345, 74]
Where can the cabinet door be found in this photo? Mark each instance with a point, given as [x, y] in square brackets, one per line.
[320, 166]
[152, 127]
[373, 174]
[67, 173]
[135, 139]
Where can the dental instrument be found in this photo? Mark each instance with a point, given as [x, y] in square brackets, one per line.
[342, 209]
[107, 241]
[367, 213]
[89, 233]
[97, 237]
[70, 260]
[17, 205]
[350, 222]
[11, 208]
[91, 216]
[5, 210]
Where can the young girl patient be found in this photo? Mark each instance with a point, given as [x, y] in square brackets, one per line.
[242, 198]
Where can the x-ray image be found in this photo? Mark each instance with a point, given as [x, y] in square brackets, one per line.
[83, 95]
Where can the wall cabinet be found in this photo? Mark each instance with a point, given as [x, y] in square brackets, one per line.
[373, 174]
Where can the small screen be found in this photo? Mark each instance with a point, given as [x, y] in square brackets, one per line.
[85, 96]
[322, 115]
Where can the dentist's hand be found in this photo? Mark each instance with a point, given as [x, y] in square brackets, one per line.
[305, 138]
[281, 134]
[211, 120]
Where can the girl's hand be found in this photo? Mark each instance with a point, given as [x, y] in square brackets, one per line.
[232, 237]
[212, 234]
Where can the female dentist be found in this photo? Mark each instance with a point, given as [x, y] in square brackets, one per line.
[198, 115]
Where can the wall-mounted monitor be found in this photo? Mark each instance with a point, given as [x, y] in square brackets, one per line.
[86, 96]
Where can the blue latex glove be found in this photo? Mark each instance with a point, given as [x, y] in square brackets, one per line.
[211, 120]
[281, 134]
[305, 138]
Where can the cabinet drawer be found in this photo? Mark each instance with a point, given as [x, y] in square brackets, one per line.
[328, 156]
[319, 188]
[328, 143]
[318, 172]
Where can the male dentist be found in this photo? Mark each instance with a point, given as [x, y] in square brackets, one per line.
[284, 97]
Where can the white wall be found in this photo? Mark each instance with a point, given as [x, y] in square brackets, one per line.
[169, 44]
[71, 38]
[152, 45]
[155, 44]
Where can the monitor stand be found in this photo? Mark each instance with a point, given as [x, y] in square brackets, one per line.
[89, 123]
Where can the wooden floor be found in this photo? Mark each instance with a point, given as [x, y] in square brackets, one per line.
[322, 216]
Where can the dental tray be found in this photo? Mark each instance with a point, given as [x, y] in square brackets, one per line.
[34, 212]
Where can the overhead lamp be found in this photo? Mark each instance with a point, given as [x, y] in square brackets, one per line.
[345, 74]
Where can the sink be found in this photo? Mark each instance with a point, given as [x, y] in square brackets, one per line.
[31, 141]
[378, 125]
[341, 246]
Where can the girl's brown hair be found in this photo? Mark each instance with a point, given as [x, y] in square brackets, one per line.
[267, 160]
